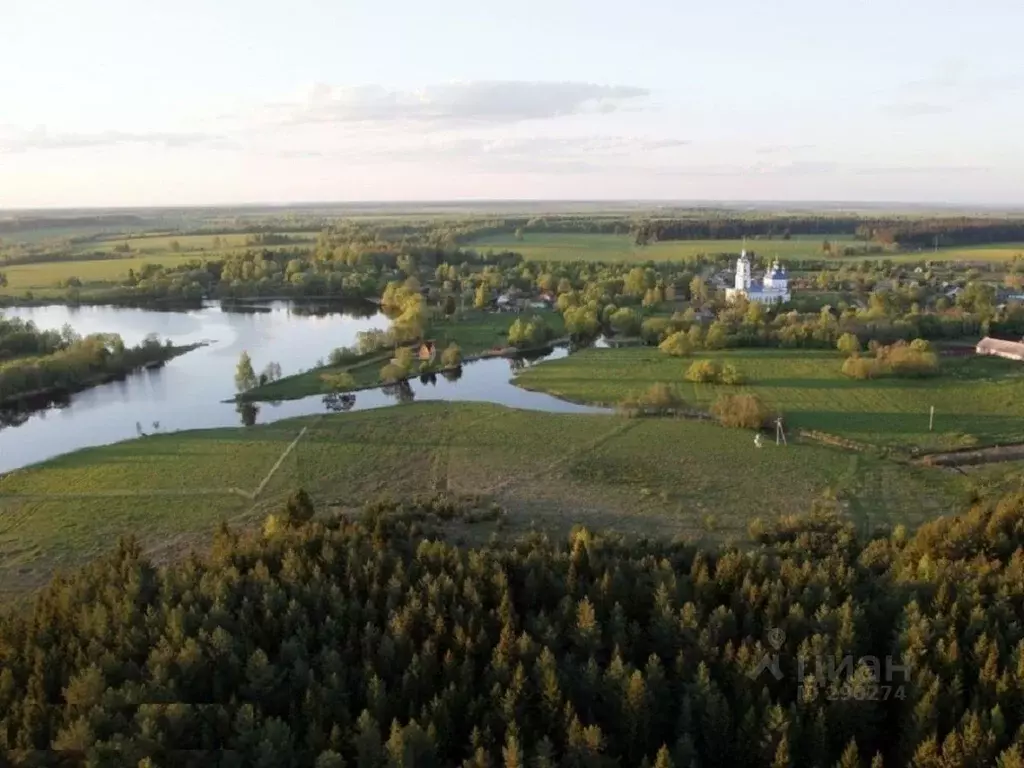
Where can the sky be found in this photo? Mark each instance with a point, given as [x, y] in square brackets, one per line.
[204, 102]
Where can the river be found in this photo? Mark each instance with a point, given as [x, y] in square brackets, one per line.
[188, 392]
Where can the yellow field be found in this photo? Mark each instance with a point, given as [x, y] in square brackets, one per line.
[44, 279]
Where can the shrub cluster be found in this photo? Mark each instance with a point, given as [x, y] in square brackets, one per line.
[747, 411]
[659, 399]
[914, 360]
[709, 372]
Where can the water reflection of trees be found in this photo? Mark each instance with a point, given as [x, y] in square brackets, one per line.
[401, 391]
[247, 412]
[428, 378]
[17, 414]
[452, 374]
[339, 402]
[350, 308]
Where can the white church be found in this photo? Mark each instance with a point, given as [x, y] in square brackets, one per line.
[774, 287]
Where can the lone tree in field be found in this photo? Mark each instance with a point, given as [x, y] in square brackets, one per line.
[245, 376]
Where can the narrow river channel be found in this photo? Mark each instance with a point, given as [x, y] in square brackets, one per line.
[189, 391]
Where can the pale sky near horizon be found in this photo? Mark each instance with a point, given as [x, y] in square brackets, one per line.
[167, 102]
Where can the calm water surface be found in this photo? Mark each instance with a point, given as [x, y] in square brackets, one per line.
[187, 392]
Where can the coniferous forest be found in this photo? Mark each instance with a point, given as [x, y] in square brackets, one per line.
[380, 642]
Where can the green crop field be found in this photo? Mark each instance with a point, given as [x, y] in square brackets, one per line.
[977, 400]
[589, 247]
[970, 253]
[549, 471]
[44, 279]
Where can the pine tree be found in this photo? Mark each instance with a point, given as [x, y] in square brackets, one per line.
[664, 759]
[850, 757]
[512, 753]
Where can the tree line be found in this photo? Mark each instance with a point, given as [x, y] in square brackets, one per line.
[77, 363]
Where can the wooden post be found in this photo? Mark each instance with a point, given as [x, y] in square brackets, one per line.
[931, 418]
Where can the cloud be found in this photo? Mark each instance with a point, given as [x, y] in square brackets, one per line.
[894, 170]
[818, 168]
[474, 102]
[557, 154]
[950, 85]
[915, 109]
[42, 139]
[778, 149]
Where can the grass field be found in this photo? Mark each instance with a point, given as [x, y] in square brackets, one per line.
[596, 247]
[550, 471]
[976, 399]
[994, 252]
[159, 243]
[588, 247]
[43, 279]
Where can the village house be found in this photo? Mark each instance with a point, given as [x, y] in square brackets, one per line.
[428, 351]
[1011, 350]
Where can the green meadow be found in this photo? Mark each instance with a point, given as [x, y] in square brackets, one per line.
[45, 279]
[537, 246]
[549, 471]
[977, 401]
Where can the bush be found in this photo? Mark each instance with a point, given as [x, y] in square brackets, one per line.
[660, 398]
[703, 372]
[678, 345]
[339, 382]
[731, 375]
[900, 359]
[848, 344]
[533, 332]
[403, 358]
[391, 373]
[858, 367]
[747, 411]
[452, 356]
[342, 355]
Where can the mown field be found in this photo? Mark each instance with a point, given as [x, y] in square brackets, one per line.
[550, 471]
[589, 247]
[977, 400]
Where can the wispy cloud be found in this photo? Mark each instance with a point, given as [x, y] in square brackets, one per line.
[949, 86]
[915, 109]
[548, 153]
[497, 101]
[42, 139]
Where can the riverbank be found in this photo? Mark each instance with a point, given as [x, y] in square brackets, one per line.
[479, 336]
[160, 356]
[365, 374]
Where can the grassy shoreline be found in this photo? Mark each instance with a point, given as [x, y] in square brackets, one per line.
[479, 335]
